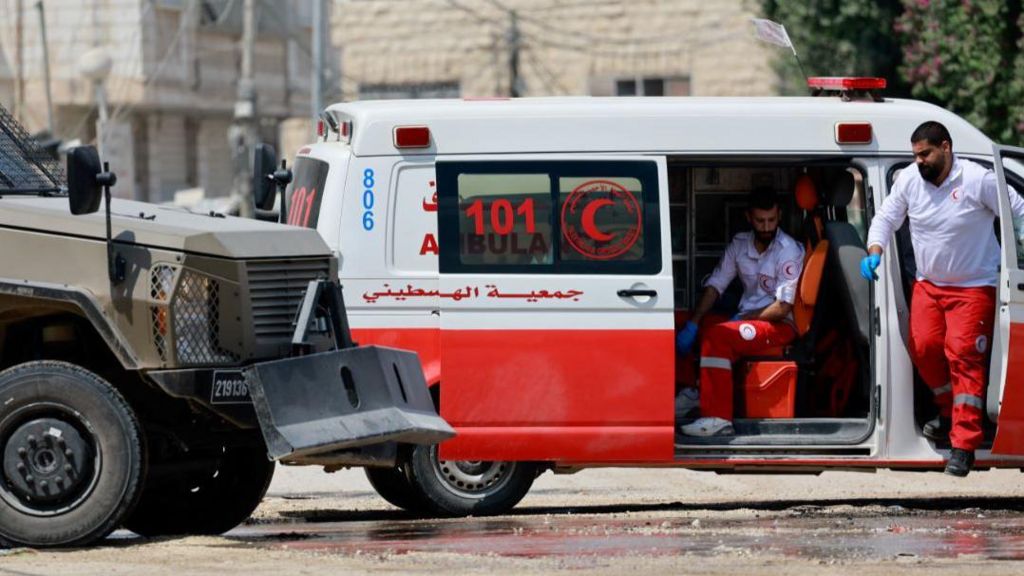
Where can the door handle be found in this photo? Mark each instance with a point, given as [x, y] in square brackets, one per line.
[1020, 287]
[632, 293]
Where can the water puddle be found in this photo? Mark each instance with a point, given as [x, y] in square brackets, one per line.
[816, 533]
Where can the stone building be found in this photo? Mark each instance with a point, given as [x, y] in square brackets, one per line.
[482, 48]
[172, 88]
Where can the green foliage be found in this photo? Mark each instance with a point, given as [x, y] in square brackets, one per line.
[839, 38]
[967, 56]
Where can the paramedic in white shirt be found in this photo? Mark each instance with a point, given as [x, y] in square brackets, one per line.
[952, 204]
[768, 262]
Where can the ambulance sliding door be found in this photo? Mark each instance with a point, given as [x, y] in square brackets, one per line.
[1006, 385]
[557, 337]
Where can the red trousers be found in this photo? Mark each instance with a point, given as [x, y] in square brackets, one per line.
[950, 337]
[721, 345]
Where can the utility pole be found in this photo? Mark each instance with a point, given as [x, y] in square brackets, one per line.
[19, 62]
[513, 54]
[46, 66]
[243, 134]
[316, 88]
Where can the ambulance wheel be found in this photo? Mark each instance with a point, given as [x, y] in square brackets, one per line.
[211, 494]
[72, 456]
[468, 488]
[393, 485]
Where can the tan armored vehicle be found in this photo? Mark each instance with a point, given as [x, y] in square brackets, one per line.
[152, 358]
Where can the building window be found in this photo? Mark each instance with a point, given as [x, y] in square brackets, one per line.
[653, 86]
[400, 91]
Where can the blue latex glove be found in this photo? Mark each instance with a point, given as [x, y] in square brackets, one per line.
[868, 266]
[686, 337]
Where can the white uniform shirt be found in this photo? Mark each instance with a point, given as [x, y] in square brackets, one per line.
[766, 277]
[950, 224]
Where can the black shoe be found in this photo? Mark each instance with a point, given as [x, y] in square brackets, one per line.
[960, 462]
[937, 428]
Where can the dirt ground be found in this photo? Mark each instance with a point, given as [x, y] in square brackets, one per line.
[605, 521]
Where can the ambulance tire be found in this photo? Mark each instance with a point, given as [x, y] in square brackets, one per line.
[210, 499]
[393, 485]
[71, 454]
[452, 488]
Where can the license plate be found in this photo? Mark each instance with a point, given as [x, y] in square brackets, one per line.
[229, 387]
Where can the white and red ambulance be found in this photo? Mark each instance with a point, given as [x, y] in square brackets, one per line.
[540, 254]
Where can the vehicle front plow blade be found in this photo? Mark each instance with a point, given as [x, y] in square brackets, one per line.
[343, 399]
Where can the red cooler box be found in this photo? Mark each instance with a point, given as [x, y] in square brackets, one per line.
[768, 390]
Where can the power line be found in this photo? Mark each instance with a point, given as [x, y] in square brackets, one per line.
[124, 107]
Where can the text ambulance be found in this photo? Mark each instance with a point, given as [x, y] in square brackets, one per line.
[540, 255]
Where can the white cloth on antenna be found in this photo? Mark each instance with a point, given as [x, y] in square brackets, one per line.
[771, 32]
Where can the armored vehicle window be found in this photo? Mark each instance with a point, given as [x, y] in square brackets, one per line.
[24, 166]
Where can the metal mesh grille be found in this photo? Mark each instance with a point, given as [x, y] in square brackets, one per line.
[158, 318]
[276, 288]
[197, 322]
[24, 166]
[161, 282]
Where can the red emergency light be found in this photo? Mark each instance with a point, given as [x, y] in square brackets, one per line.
[853, 133]
[412, 137]
[835, 83]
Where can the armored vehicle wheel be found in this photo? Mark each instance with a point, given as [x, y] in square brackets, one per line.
[210, 495]
[453, 488]
[392, 484]
[72, 456]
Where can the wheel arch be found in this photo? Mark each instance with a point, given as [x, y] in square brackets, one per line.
[27, 304]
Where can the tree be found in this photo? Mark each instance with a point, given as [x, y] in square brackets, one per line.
[967, 56]
[839, 38]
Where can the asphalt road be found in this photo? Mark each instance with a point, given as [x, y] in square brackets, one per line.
[605, 521]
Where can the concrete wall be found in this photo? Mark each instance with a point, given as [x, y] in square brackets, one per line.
[572, 47]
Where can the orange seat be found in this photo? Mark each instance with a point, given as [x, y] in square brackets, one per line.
[810, 286]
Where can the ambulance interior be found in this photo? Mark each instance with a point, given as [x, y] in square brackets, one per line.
[816, 390]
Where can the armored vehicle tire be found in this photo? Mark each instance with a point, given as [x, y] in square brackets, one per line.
[72, 456]
[393, 485]
[453, 488]
[208, 499]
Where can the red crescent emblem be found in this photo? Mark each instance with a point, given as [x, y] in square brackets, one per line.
[587, 220]
[956, 194]
[579, 215]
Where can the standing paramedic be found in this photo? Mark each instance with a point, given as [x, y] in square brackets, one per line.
[768, 262]
[952, 204]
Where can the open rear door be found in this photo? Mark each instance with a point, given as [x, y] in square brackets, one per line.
[1005, 401]
[557, 336]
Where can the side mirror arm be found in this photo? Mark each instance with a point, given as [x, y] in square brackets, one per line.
[116, 264]
[282, 177]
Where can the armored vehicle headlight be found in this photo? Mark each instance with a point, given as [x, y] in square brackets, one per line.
[196, 316]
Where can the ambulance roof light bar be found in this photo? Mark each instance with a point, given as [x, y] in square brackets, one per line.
[847, 87]
[339, 124]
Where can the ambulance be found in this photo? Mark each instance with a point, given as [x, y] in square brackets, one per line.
[541, 254]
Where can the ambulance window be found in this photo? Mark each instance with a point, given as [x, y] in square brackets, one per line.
[549, 217]
[1012, 170]
[856, 210]
[305, 193]
[504, 219]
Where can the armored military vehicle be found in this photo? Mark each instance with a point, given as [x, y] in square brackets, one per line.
[152, 358]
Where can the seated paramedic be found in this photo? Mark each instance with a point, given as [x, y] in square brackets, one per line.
[768, 262]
